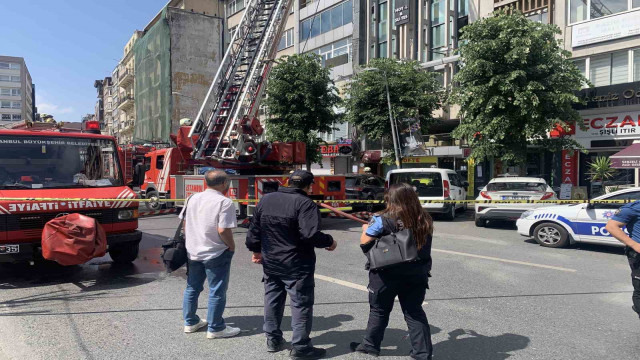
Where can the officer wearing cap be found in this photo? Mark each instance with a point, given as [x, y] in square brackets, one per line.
[629, 216]
[283, 235]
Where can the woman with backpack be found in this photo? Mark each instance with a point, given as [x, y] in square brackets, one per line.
[397, 242]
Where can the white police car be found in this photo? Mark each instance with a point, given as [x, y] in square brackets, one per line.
[561, 225]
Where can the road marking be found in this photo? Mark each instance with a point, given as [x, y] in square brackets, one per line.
[505, 260]
[342, 282]
[453, 237]
[347, 284]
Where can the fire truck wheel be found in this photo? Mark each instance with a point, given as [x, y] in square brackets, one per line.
[124, 253]
[153, 205]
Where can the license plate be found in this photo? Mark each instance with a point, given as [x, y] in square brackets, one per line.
[9, 249]
[515, 198]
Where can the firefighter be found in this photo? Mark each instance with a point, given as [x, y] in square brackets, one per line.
[282, 236]
[629, 216]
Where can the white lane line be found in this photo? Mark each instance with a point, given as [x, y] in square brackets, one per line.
[505, 260]
[342, 282]
[454, 237]
[347, 284]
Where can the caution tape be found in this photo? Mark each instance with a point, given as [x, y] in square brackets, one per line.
[333, 201]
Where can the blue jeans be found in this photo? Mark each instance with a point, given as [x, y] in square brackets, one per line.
[216, 271]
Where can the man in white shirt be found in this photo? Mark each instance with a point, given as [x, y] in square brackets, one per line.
[208, 218]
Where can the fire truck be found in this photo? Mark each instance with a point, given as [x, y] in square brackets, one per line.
[226, 133]
[44, 160]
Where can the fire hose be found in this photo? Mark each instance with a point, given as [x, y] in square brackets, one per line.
[343, 214]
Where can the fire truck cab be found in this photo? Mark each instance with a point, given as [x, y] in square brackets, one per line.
[45, 162]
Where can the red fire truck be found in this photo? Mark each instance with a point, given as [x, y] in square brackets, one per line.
[45, 161]
[171, 173]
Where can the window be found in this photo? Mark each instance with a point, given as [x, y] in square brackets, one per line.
[160, 162]
[541, 17]
[232, 31]
[581, 10]
[5, 104]
[327, 20]
[15, 117]
[6, 116]
[5, 92]
[609, 69]
[16, 92]
[233, 6]
[6, 65]
[636, 65]
[335, 49]
[286, 40]
[383, 25]
[438, 18]
[16, 104]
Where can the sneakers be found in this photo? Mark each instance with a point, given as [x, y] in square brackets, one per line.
[310, 353]
[359, 348]
[193, 328]
[226, 333]
[275, 345]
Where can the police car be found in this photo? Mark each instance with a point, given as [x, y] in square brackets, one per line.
[561, 225]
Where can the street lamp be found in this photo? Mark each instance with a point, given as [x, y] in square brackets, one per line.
[394, 131]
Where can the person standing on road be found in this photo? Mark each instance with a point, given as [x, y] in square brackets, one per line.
[209, 217]
[282, 236]
[408, 281]
[629, 216]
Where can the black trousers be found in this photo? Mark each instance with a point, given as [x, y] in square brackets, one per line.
[301, 292]
[634, 262]
[410, 289]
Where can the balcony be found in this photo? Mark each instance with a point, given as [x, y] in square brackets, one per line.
[125, 103]
[126, 78]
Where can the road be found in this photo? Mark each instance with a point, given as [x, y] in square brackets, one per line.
[494, 295]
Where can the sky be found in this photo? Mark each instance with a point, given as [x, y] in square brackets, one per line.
[68, 44]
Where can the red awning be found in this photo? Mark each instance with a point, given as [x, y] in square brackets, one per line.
[628, 158]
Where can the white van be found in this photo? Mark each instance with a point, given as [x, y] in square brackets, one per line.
[434, 184]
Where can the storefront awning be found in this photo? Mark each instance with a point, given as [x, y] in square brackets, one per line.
[628, 158]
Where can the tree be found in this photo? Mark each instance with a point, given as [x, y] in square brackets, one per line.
[600, 170]
[516, 83]
[301, 98]
[415, 95]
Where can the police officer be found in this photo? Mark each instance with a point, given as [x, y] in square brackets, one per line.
[629, 216]
[283, 233]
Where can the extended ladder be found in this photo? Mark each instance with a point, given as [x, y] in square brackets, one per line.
[226, 124]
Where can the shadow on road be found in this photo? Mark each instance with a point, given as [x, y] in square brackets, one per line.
[468, 344]
[252, 325]
[598, 248]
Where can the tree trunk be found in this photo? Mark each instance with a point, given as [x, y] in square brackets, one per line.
[309, 165]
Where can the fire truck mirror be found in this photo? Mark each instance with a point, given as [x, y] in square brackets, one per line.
[138, 175]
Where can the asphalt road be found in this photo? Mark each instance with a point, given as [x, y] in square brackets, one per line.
[494, 295]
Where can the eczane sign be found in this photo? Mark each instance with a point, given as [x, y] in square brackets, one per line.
[606, 29]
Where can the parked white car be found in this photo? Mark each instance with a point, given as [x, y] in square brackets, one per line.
[434, 184]
[511, 188]
[561, 225]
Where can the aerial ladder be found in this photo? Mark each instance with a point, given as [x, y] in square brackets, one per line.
[227, 127]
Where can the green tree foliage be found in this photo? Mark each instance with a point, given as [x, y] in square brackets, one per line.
[515, 84]
[301, 98]
[415, 94]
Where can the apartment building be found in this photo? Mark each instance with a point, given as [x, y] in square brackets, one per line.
[324, 27]
[16, 91]
[602, 36]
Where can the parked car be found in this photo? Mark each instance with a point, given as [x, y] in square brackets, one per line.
[560, 225]
[434, 184]
[364, 187]
[511, 188]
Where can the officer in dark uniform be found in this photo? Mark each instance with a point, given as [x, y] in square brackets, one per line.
[629, 216]
[283, 234]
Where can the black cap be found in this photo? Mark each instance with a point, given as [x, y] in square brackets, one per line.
[301, 178]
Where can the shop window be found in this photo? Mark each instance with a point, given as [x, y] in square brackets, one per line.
[581, 10]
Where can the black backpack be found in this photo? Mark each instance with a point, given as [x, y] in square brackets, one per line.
[399, 247]
[174, 253]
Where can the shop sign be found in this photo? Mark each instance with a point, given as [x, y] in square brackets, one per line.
[401, 12]
[570, 167]
[622, 163]
[610, 96]
[606, 29]
[611, 126]
[335, 150]
[420, 160]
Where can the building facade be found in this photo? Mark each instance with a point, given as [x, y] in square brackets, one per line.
[17, 92]
[323, 27]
